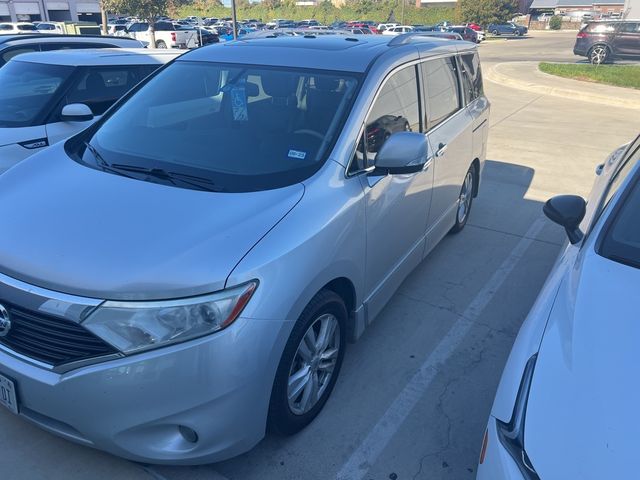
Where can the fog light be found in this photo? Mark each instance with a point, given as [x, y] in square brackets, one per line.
[188, 434]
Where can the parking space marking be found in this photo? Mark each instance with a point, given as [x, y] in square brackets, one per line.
[378, 438]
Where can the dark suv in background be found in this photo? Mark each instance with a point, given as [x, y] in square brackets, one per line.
[603, 42]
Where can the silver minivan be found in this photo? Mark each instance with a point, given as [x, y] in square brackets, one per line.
[188, 270]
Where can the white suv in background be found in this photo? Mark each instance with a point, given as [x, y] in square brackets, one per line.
[19, 27]
[48, 97]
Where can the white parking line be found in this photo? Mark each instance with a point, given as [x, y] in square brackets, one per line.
[376, 441]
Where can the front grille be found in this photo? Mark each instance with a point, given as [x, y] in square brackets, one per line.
[51, 339]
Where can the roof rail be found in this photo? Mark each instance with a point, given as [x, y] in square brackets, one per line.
[405, 38]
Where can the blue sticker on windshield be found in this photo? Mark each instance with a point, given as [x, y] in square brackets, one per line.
[239, 104]
[297, 154]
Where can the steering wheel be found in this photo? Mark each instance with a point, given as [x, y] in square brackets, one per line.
[306, 131]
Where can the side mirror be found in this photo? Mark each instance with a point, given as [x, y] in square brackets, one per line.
[567, 211]
[76, 112]
[402, 153]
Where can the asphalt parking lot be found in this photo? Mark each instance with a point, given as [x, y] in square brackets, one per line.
[415, 392]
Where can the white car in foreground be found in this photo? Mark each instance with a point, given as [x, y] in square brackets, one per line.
[49, 96]
[567, 403]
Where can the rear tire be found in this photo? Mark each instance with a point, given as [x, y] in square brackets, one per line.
[309, 365]
[465, 200]
[599, 54]
[161, 44]
[496, 33]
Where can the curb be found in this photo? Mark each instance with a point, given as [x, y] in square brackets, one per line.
[493, 75]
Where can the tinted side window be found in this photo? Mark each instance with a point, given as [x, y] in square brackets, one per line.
[47, 47]
[12, 52]
[396, 109]
[629, 28]
[100, 87]
[442, 92]
[471, 76]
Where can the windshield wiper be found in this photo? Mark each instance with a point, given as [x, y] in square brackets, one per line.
[101, 162]
[99, 159]
[161, 174]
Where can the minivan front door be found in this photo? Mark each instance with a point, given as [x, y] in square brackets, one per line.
[396, 205]
[450, 136]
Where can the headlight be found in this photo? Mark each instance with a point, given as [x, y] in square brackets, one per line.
[511, 434]
[135, 326]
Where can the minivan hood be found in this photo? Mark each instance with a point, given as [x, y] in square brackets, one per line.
[77, 230]
[582, 416]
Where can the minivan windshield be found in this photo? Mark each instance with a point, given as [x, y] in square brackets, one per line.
[241, 128]
[26, 89]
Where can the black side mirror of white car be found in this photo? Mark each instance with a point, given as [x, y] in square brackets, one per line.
[402, 153]
[567, 211]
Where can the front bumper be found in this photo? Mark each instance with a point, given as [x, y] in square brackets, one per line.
[498, 464]
[219, 386]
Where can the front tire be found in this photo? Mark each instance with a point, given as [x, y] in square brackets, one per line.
[309, 365]
[496, 32]
[465, 199]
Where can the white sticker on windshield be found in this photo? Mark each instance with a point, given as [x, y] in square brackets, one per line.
[297, 154]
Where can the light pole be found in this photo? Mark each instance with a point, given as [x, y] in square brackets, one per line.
[402, 14]
[234, 19]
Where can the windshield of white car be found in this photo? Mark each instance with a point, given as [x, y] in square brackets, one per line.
[621, 242]
[243, 128]
[26, 89]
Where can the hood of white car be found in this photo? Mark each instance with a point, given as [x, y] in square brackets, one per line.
[9, 136]
[78, 230]
[583, 413]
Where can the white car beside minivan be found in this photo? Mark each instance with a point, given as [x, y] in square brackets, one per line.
[567, 403]
[50, 96]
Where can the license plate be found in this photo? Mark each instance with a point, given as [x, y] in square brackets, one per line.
[8, 396]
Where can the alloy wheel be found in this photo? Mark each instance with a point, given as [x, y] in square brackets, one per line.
[313, 364]
[599, 55]
[466, 195]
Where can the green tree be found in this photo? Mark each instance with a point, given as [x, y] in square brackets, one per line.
[485, 12]
[148, 10]
[555, 23]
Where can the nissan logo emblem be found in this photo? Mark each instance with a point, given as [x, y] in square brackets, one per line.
[5, 322]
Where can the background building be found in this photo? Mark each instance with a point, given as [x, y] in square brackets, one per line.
[43, 10]
[632, 9]
[563, 7]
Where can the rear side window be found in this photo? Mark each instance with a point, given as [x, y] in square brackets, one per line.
[396, 109]
[12, 52]
[629, 28]
[600, 28]
[442, 92]
[471, 77]
[621, 242]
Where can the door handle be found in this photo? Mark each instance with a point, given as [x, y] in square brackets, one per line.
[442, 148]
[599, 169]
